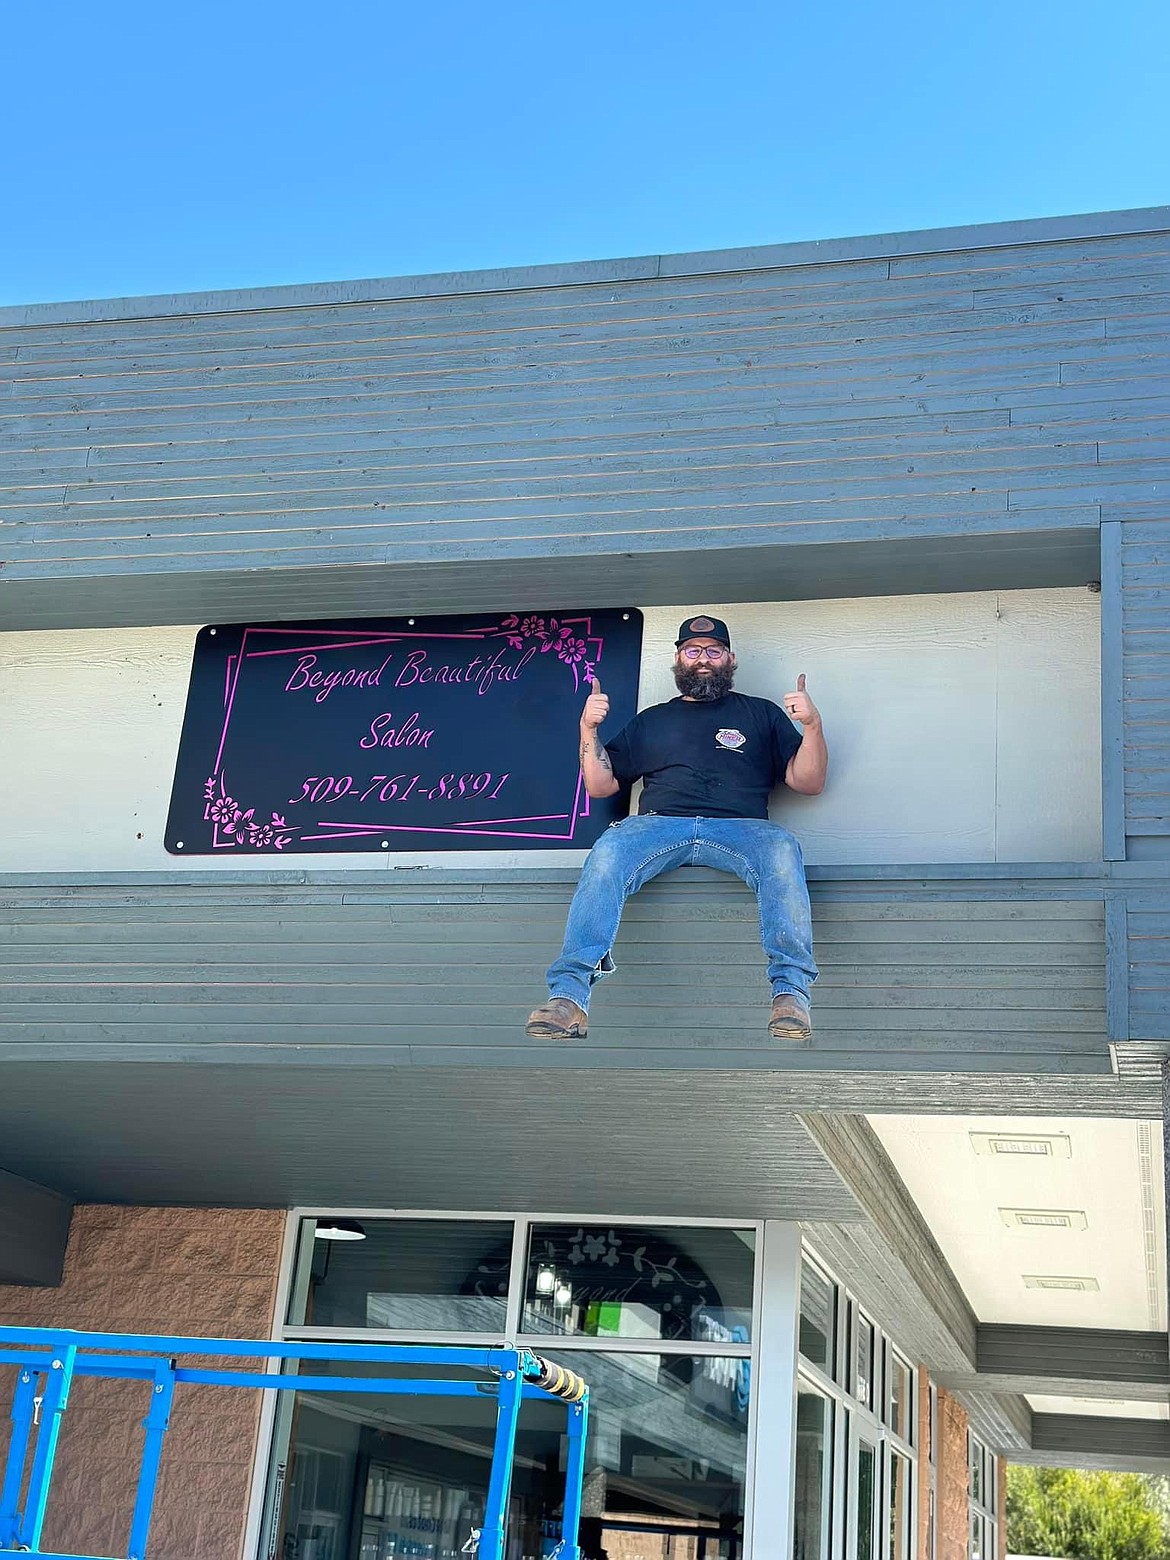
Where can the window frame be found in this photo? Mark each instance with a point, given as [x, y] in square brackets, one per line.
[859, 1318]
[512, 1333]
[854, 1421]
[837, 1351]
[275, 1417]
[928, 1471]
[984, 1508]
[833, 1460]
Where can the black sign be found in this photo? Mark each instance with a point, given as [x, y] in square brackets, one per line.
[442, 733]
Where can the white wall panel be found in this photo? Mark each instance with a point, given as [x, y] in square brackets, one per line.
[963, 728]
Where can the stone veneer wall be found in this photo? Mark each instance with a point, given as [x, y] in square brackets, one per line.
[210, 1272]
[953, 1479]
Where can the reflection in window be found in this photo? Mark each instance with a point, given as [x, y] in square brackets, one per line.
[899, 1508]
[632, 1281]
[865, 1512]
[982, 1492]
[814, 1475]
[931, 1525]
[901, 1389]
[667, 1451]
[975, 1451]
[863, 1355]
[424, 1275]
[818, 1317]
[372, 1477]
[932, 1422]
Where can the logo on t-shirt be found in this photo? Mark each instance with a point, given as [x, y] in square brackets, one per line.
[728, 737]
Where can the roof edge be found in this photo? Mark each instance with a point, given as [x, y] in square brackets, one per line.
[880, 246]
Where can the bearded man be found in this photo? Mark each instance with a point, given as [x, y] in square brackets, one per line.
[708, 761]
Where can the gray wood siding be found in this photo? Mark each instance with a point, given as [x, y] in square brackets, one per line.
[1095, 1441]
[433, 975]
[1145, 673]
[1121, 1361]
[1148, 953]
[986, 392]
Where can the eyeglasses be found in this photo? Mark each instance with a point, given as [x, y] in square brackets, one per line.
[712, 652]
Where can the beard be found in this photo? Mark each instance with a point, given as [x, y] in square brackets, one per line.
[693, 684]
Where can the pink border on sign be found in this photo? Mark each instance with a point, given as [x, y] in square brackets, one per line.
[571, 639]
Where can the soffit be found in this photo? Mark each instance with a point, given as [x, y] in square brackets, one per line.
[456, 1138]
[1112, 1175]
[1107, 1408]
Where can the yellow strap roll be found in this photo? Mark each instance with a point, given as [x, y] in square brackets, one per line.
[560, 1382]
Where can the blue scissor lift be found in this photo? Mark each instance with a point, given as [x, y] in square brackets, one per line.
[48, 1361]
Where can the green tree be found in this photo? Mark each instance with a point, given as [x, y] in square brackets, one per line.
[1086, 1516]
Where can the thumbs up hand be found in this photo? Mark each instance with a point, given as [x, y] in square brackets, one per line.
[596, 708]
[800, 707]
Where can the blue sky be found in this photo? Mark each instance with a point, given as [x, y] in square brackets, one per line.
[178, 148]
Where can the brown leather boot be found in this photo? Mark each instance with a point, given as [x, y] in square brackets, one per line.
[558, 1019]
[789, 1019]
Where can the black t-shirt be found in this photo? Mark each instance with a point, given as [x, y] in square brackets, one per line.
[706, 760]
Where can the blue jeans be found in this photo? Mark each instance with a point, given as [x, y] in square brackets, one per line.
[635, 850]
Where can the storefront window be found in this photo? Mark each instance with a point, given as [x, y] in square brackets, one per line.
[667, 1452]
[864, 1358]
[932, 1422]
[984, 1517]
[635, 1281]
[931, 1525]
[814, 1475]
[404, 1475]
[898, 1546]
[374, 1477]
[975, 1455]
[865, 1524]
[975, 1549]
[901, 1391]
[818, 1317]
[416, 1275]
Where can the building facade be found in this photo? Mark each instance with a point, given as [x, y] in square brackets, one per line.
[821, 1293]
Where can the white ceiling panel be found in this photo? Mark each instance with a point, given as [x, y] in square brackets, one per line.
[1109, 1408]
[1101, 1265]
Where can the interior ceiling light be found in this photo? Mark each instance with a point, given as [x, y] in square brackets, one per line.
[1053, 1281]
[1044, 1218]
[339, 1229]
[1047, 1145]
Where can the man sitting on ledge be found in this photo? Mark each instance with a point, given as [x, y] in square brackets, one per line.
[709, 760]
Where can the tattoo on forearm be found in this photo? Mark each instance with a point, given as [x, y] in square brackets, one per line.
[595, 750]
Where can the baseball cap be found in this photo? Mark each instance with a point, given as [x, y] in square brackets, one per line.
[703, 628]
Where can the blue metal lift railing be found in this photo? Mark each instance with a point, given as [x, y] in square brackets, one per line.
[48, 1361]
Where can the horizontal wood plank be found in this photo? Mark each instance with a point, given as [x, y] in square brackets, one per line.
[949, 981]
[617, 383]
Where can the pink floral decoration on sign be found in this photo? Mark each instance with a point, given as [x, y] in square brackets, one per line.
[557, 635]
[235, 826]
